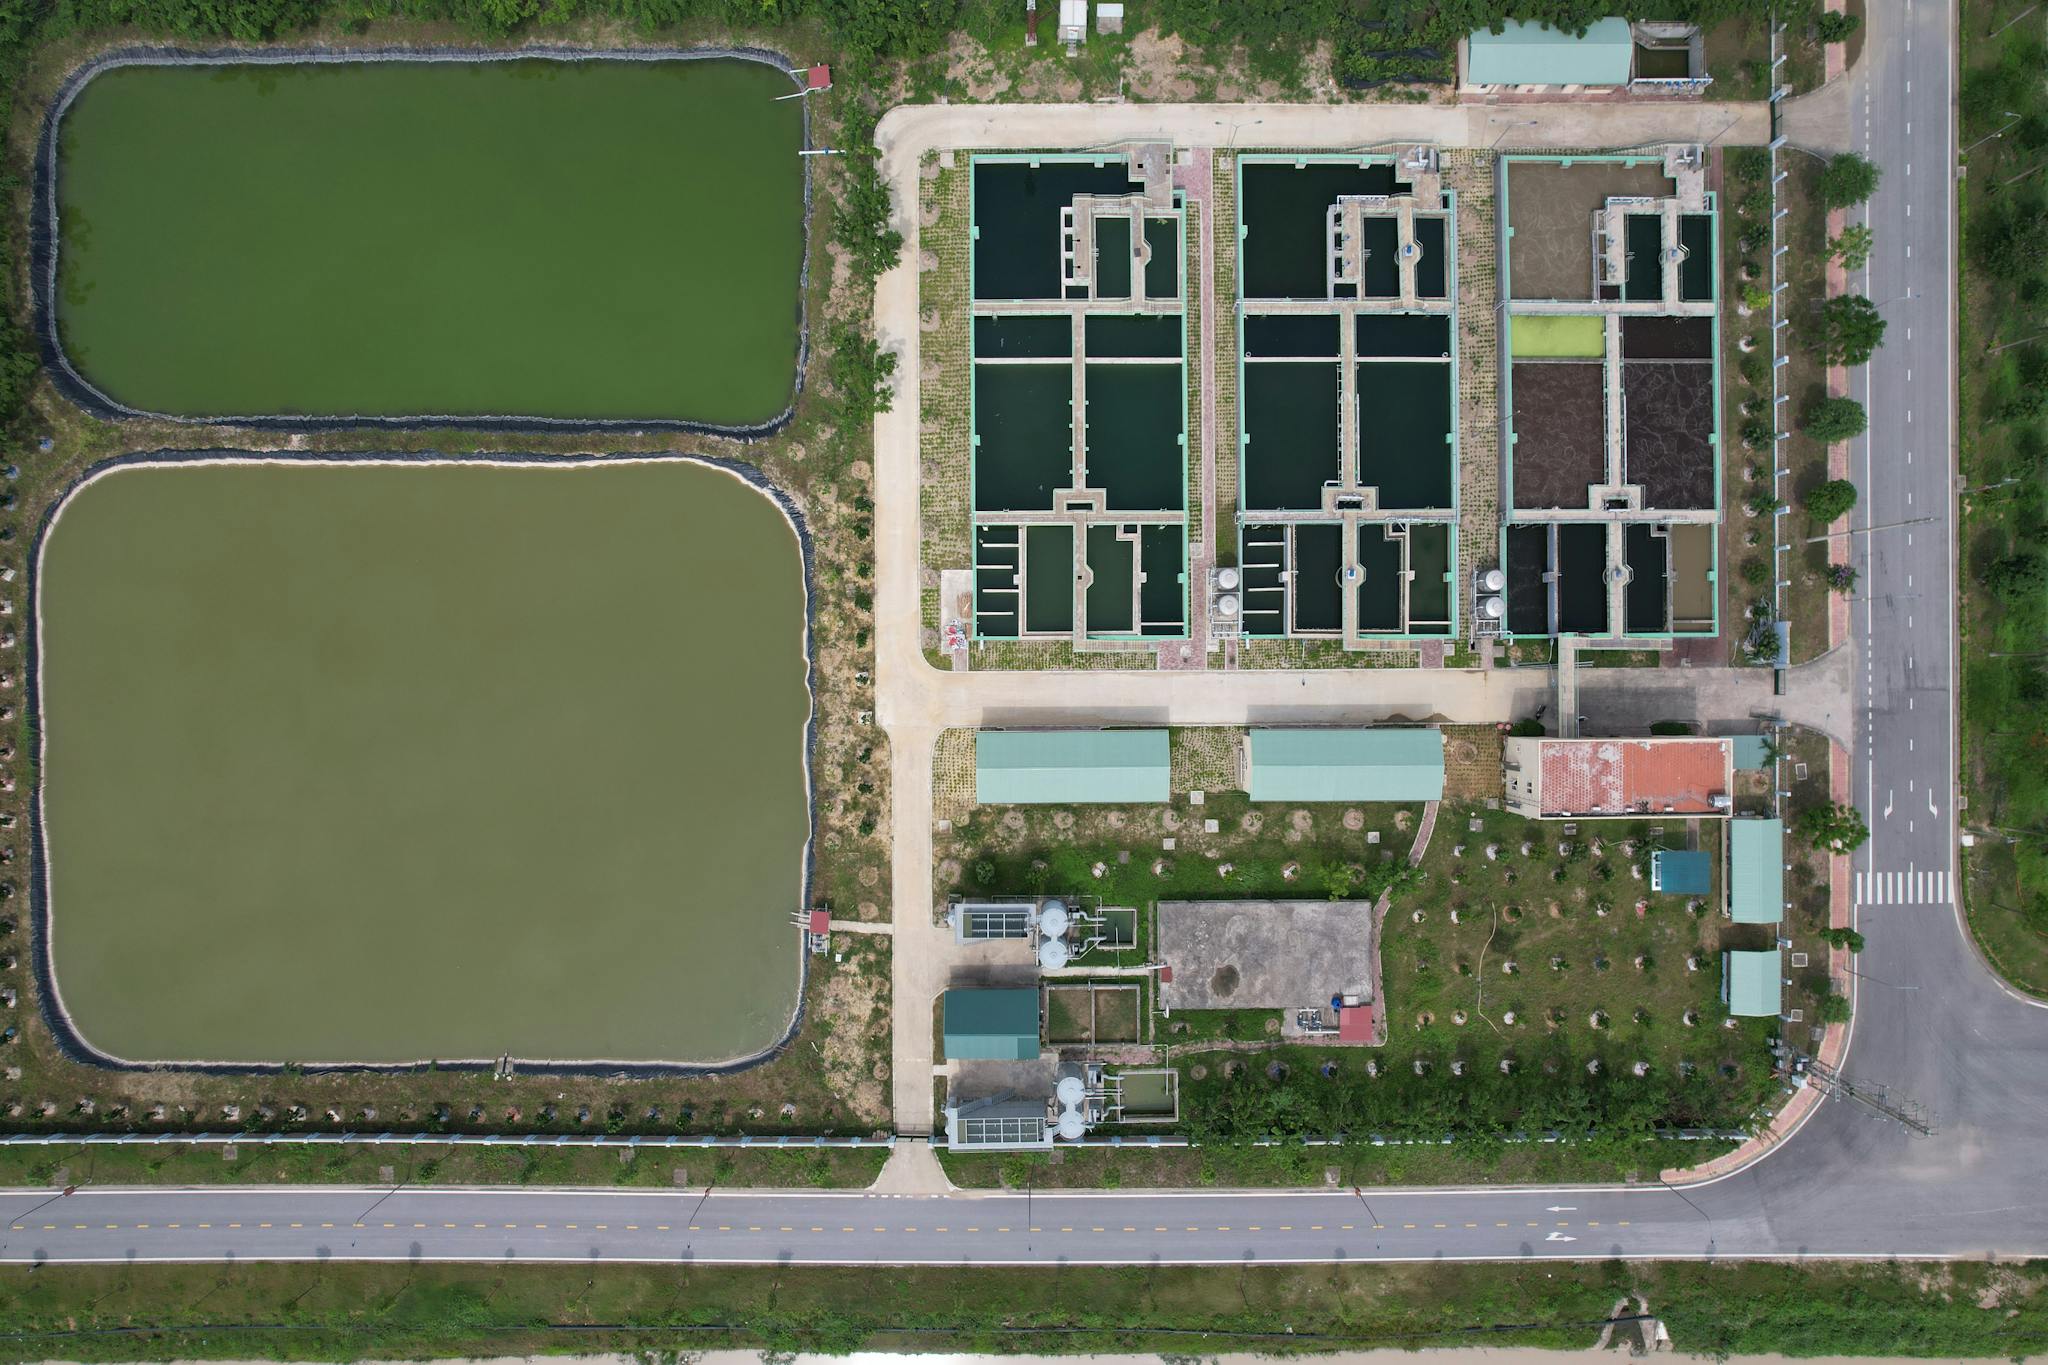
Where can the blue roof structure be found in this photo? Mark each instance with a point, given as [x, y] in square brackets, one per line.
[1537, 54]
[1681, 872]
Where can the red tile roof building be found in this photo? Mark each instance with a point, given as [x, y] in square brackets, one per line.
[1592, 778]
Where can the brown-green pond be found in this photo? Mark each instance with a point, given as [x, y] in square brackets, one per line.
[390, 762]
[583, 240]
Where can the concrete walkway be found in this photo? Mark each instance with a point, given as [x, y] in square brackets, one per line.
[914, 702]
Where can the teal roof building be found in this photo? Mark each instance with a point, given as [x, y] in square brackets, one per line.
[1070, 767]
[990, 1025]
[1752, 753]
[1537, 54]
[1347, 765]
[1681, 872]
[1751, 983]
[1756, 871]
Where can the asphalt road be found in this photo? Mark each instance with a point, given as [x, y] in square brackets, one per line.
[488, 1224]
[1932, 1025]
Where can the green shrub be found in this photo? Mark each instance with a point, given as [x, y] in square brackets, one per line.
[2016, 577]
[1831, 501]
[1847, 180]
[1756, 572]
[1835, 26]
[1836, 419]
[1749, 163]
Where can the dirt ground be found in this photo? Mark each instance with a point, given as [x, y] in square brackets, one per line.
[1550, 209]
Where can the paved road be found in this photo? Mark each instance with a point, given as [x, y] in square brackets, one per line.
[581, 1225]
[1931, 1020]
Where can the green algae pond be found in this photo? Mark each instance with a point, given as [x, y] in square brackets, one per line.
[388, 762]
[575, 240]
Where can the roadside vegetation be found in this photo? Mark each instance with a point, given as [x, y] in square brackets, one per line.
[66, 1164]
[2003, 575]
[425, 1310]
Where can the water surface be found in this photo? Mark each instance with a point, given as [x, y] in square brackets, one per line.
[593, 239]
[387, 763]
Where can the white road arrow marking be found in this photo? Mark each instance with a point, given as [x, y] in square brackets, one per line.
[1888, 803]
[1562, 1208]
[1559, 1237]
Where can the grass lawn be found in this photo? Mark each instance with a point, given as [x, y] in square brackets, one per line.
[1746, 557]
[348, 1312]
[437, 1164]
[1067, 1015]
[2004, 700]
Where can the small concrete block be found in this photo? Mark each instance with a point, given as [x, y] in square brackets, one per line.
[228, 1153]
[387, 1175]
[946, 159]
[1123, 857]
[1475, 824]
[944, 826]
[1197, 798]
[1210, 827]
[1372, 836]
[625, 1156]
[1169, 843]
[1493, 803]
[680, 1175]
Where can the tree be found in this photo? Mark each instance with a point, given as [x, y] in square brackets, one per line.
[1835, 26]
[1851, 329]
[1834, 1009]
[1830, 501]
[2015, 577]
[1852, 246]
[858, 369]
[1847, 180]
[1843, 938]
[1832, 827]
[1836, 419]
[2016, 245]
[1842, 578]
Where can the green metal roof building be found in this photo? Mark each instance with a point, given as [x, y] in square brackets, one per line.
[1537, 54]
[1752, 753]
[990, 1025]
[1065, 767]
[1756, 871]
[1751, 984]
[1347, 765]
[1681, 872]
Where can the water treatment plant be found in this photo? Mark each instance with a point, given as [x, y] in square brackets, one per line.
[925, 614]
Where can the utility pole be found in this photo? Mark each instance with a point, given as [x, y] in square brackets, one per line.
[1866, 530]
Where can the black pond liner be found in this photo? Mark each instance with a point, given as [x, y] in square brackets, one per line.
[45, 237]
[73, 1044]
